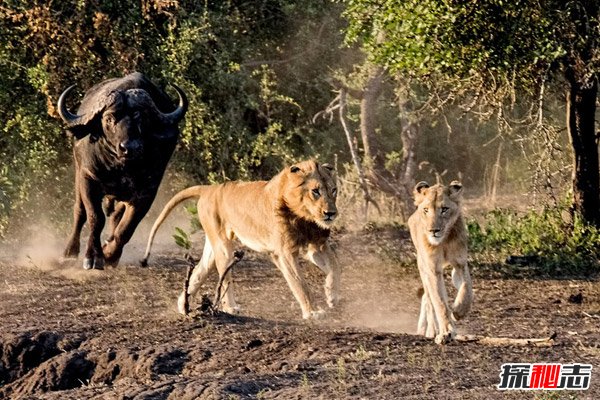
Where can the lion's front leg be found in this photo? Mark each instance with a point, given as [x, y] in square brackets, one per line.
[427, 325]
[324, 257]
[288, 265]
[433, 281]
[461, 278]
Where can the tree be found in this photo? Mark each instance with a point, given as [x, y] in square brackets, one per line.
[498, 43]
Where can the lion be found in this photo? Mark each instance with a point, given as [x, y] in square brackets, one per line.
[290, 213]
[439, 234]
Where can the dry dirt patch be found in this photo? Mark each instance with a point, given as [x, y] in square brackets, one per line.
[67, 334]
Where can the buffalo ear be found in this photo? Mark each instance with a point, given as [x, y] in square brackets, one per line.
[455, 190]
[78, 131]
[419, 192]
[92, 127]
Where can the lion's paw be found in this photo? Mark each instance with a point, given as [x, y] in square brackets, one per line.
[181, 303]
[233, 310]
[445, 338]
[333, 301]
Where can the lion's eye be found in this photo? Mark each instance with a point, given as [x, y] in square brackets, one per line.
[334, 191]
[426, 210]
[110, 119]
[444, 210]
[316, 193]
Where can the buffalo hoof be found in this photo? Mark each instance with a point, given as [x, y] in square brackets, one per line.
[111, 255]
[93, 263]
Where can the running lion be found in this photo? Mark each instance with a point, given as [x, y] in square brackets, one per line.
[290, 213]
[439, 234]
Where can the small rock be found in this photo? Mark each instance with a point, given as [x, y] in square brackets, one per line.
[576, 298]
[254, 343]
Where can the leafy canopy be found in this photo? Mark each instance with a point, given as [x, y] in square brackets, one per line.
[499, 40]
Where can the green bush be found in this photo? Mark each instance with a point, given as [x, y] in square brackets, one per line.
[552, 239]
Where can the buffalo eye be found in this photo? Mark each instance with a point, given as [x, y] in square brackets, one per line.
[316, 193]
[137, 115]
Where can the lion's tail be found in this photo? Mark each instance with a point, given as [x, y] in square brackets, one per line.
[194, 191]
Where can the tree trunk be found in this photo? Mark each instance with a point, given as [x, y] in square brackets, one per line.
[408, 165]
[368, 120]
[581, 112]
[351, 145]
[374, 159]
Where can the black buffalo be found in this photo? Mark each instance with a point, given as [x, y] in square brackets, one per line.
[125, 131]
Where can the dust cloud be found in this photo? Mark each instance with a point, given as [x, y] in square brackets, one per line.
[385, 303]
[375, 294]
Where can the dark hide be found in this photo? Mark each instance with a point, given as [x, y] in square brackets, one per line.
[125, 132]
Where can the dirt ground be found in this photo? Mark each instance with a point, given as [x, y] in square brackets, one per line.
[67, 333]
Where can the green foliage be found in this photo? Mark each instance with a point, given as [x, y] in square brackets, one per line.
[182, 239]
[461, 38]
[192, 209]
[554, 240]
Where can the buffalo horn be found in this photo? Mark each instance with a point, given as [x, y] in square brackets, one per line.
[70, 119]
[176, 115]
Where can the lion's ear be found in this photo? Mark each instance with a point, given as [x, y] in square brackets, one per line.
[455, 190]
[328, 166]
[294, 169]
[419, 191]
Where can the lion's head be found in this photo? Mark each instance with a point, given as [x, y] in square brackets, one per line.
[438, 207]
[309, 192]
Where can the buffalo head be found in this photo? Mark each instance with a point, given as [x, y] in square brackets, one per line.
[122, 119]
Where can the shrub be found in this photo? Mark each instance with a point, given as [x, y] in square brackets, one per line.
[555, 240]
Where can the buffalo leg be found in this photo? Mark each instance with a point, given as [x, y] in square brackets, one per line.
[79, 216]
[114, 212]
[132, 216]
[91, 196]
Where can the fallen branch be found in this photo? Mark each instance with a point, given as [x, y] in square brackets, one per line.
[504, 341]
[590, 315]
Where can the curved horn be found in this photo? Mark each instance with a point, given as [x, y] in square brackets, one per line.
[70, 119]
[176, 115]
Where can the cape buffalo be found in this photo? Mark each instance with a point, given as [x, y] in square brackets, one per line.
[125, 132]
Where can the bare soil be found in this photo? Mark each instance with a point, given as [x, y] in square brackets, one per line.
[66, 333]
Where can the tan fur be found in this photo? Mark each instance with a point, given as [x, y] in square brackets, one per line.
[282, 217]
[439, 234]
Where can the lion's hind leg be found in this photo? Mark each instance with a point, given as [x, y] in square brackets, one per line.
[461, 278]
[224, 258]
[199, 275]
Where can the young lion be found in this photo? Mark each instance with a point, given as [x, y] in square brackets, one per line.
[438, 232]
[292, 211]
